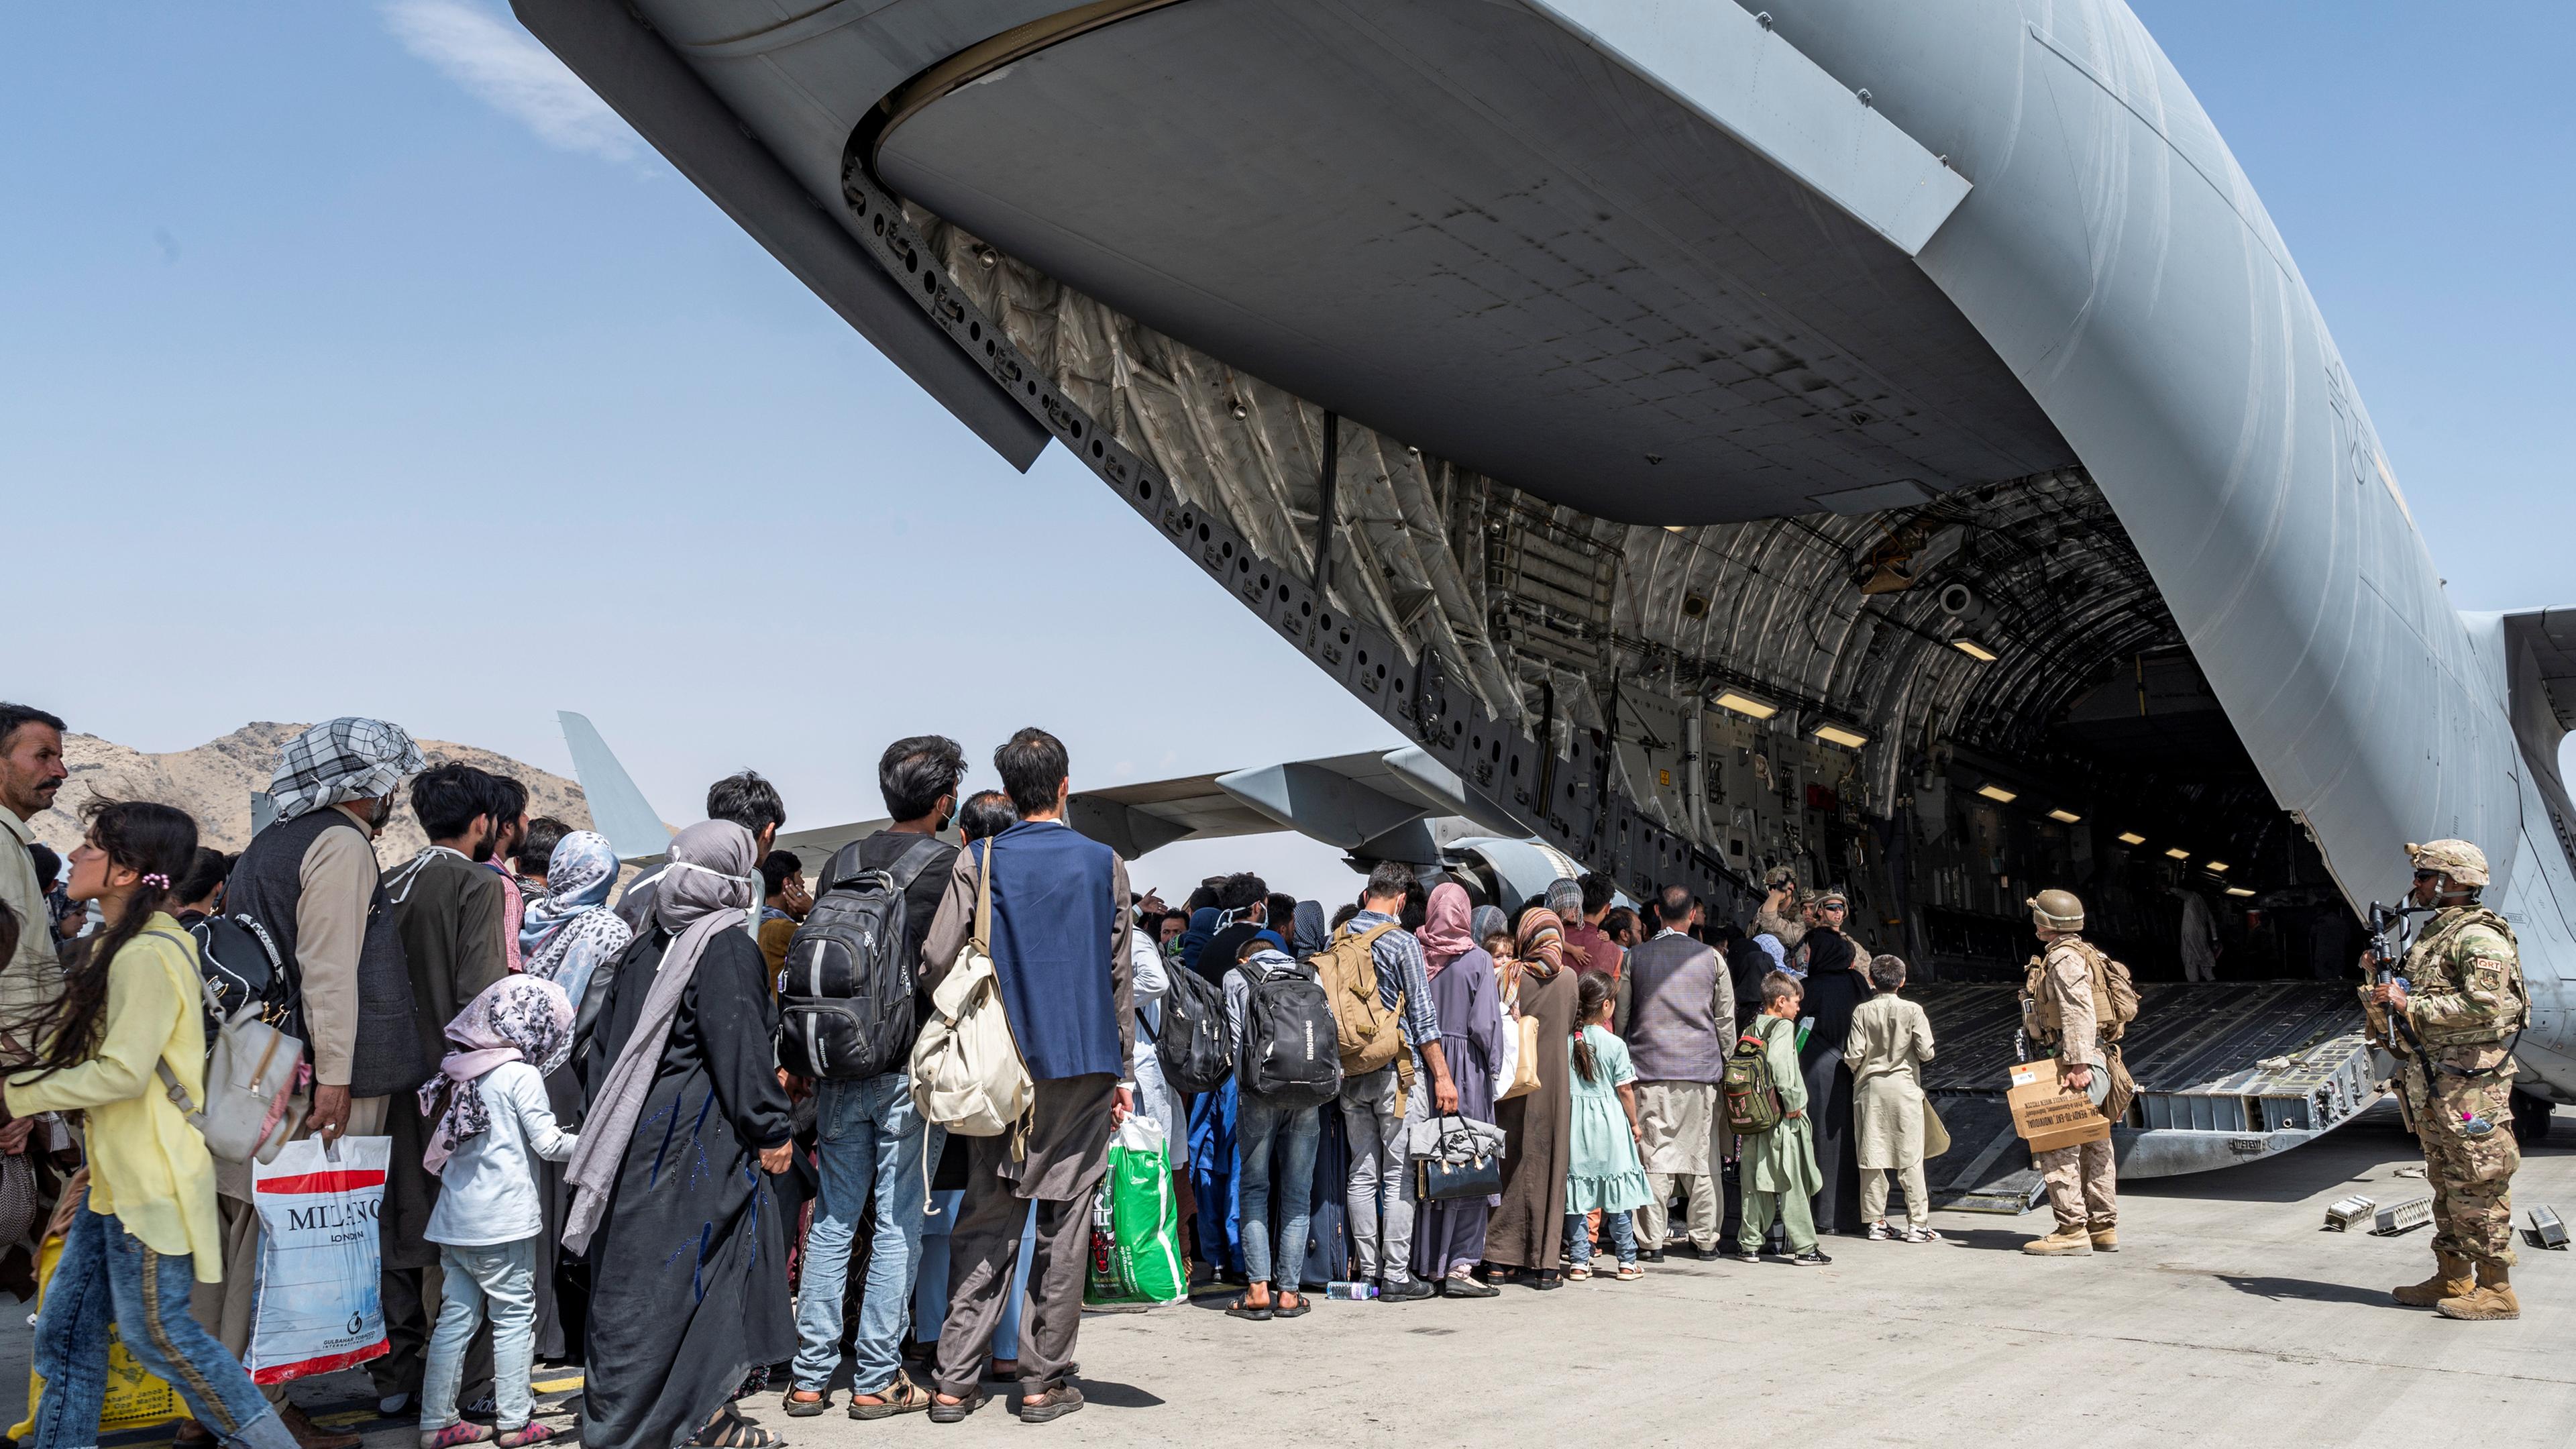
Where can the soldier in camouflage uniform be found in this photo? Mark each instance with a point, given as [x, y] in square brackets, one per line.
[2450, 1021]
[2083, 1183]
[1780, 914]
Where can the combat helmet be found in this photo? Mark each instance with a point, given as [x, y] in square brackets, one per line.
[2056, 910]
[2464, 863]
[1778, 876]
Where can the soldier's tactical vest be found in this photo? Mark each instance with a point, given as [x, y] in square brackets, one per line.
[2115, 996]
[2429, 971]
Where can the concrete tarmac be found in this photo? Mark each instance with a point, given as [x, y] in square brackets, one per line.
[2228, 1317]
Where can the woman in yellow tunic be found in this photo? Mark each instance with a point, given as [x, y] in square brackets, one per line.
[128, 1027]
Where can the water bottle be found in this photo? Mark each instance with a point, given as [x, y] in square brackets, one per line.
[1348, 1291]
[2474, 1125]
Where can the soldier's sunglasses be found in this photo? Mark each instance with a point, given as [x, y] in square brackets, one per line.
[2428, 875]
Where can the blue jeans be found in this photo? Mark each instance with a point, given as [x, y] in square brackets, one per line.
[1256, 1124]
[873, 1143]
[1622, 1228]
[503, 1276]
[107, 1276]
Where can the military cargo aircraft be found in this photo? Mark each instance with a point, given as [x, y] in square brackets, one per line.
[1888, 439]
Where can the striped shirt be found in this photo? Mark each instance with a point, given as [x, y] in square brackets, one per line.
[1401, 973]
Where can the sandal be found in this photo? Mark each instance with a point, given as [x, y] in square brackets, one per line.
[805, 1408]
[1243, 1307]
[903, 1396]
[531, 1432]
[463, 1431]
[1547, 1278]
[1629, 1273]
[732, 1431]
[1280, 1305]
[1579, 1273]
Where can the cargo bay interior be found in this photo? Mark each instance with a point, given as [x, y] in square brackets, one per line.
[1606, 436]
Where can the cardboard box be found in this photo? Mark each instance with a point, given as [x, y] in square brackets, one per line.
[2047, 1114]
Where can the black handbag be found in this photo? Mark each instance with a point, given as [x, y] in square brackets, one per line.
[1445, 1178]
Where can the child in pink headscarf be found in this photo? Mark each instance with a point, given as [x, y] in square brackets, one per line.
[493, 1125]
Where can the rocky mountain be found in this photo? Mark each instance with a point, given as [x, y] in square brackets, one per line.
[214, 782]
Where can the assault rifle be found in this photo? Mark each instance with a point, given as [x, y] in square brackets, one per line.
[2387, 950]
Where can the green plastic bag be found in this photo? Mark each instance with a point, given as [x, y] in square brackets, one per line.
[1136, 1254]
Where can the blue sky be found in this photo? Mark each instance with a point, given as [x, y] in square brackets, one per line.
[349, 364]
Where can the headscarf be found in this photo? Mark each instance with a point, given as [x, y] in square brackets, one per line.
[516, 1019]
[349, 758]
[1194, 940]
[570, 929]
[1565, 898]
[1541, 943]
[1487, 923]
[1444, 934]
[1309, 930]
[1772, 948]
[709, 889]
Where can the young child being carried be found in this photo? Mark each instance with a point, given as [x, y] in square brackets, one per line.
[494, 1126]
[1603, 1169]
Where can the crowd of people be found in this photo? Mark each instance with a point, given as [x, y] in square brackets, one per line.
[600, 1158]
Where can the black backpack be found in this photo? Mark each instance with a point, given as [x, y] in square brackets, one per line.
[1192, 1044]
[1291, 1054]
[243, 965]
[845, 992]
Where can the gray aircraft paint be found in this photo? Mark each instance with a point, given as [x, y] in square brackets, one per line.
[2106, 247]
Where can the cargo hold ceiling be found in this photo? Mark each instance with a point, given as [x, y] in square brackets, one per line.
[1464, 227]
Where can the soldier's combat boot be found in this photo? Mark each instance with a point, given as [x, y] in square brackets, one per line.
[2106, 1238]
[2065, 1242]
[2491, 1299]
[2452, 1278]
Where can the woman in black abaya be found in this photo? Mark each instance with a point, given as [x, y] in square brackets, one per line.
[672, 1195]
[1835, 989]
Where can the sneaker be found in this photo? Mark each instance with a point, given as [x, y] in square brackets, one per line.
[1880, 1232]
[1812, 1258]
[1923, 1235]
[1739, 1253]
[1650, 1255]
[392, 1404]
[1456, 1287]
[1409, 1290]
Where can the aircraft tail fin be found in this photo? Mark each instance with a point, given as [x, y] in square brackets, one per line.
[617, 809]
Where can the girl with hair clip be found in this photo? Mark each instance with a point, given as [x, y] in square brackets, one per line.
[127, 1027]
[1604, 1172]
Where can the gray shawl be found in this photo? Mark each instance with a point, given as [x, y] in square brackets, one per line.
[708, 888]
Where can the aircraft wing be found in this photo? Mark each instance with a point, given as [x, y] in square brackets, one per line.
[1373, 804]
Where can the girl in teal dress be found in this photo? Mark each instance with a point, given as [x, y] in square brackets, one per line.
[1603, 1170]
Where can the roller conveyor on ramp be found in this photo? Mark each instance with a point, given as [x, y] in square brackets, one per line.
[2227, 1072]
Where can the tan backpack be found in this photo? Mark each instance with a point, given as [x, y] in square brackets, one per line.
[1368, 1034]
[2115, 996]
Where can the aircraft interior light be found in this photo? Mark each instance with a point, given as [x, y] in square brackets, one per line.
[1973, 649]
[2218, 866]
[1843, 735]
[2178, 854]
[2064, 817]
[1745, 705]
[2238, 891]
[1998, 794]
[2131, 837]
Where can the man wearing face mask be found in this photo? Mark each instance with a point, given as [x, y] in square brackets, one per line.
[310, 880]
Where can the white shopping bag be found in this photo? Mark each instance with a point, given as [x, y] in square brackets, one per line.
[318, 1298]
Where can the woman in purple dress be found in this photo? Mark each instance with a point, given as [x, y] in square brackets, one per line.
[1449, 1237]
